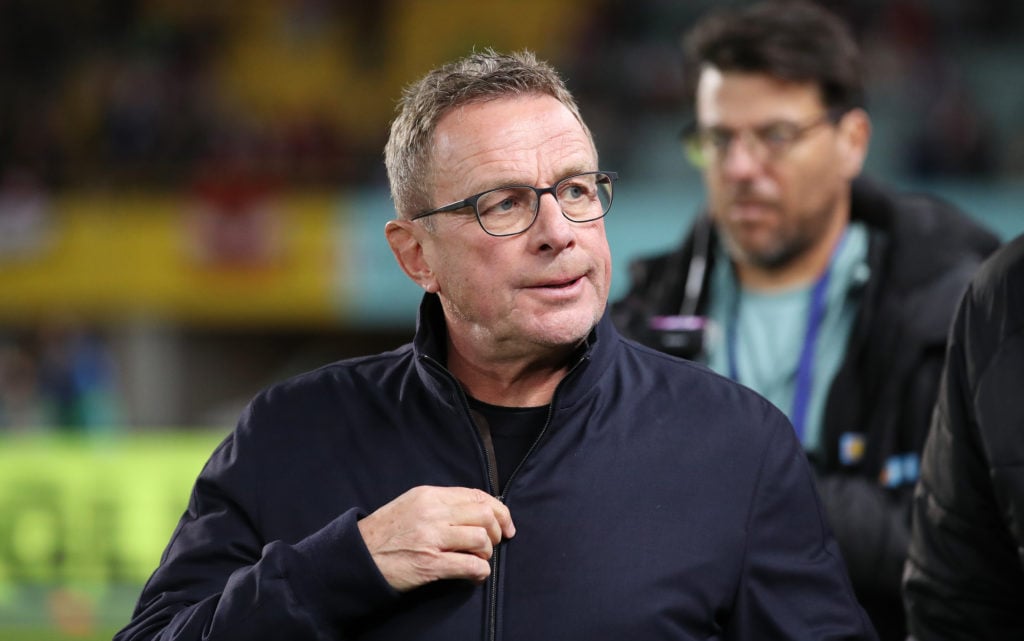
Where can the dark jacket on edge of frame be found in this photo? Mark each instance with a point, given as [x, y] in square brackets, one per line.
[921, 252]
[965, 568]
[661, 501]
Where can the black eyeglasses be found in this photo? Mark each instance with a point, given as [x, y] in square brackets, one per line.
[706, 145]
[507, 211]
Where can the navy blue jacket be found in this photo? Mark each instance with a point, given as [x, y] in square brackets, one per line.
[661, 501]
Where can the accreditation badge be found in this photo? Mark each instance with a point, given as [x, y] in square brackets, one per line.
[851, 448]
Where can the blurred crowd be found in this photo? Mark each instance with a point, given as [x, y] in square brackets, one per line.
[160, 94]
[225, 102]
[131, 93]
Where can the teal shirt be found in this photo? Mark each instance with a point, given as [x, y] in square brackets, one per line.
[772, 326]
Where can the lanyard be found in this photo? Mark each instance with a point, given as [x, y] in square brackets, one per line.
[805, 366]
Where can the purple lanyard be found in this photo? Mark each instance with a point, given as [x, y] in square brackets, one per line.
[805, 367]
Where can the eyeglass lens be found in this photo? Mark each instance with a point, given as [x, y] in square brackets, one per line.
[767, 142]
[510, 210]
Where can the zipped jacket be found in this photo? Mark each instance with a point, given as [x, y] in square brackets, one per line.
[922, 251]
[659, 502]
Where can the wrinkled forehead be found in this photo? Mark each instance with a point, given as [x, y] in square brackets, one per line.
[522, 140]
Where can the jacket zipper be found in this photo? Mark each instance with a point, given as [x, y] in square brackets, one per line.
[491, 633]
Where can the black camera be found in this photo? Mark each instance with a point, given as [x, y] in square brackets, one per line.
[678, 335]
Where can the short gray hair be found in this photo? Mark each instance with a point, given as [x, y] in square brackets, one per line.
[479, 77]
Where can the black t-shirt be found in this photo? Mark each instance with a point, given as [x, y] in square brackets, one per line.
[512, 431]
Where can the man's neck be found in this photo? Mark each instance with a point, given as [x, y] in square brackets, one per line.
[508, 382]
[804, 269]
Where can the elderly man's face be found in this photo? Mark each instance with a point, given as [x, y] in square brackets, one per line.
[519, 294]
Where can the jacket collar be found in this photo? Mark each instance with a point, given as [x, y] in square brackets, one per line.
[430, 346]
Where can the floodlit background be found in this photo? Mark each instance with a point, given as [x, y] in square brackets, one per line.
[192, 203]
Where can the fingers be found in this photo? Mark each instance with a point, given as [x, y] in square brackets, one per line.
[432, 533]
[481, 509]
[470, 540]
[458, 565]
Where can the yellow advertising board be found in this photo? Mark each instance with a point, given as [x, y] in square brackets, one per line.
[83, 521]
[109, 257]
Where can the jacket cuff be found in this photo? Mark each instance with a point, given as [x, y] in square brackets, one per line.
[345, 579]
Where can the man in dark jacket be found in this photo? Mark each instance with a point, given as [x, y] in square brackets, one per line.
[965, 573]
[520, 471]
[828, 293]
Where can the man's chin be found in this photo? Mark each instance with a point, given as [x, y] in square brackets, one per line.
[750, 244]
[564, 328]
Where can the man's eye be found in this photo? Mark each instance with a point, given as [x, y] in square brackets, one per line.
[776, 135]
[500, 202]
[719, 138]
[573, 192]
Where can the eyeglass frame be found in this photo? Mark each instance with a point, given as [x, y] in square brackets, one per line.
[471, 201]
[693, 145]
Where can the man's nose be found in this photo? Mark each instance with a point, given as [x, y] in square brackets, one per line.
[552, 225]
[742, 157]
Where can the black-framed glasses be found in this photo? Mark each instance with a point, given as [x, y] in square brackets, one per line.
[507, 211]
[769, 142]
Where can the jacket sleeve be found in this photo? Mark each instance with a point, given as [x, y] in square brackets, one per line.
[871, 519]
[964, 576]
[218, 578]
[794, 583]
[872, 526]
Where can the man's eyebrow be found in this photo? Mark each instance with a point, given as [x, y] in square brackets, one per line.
[571, 171]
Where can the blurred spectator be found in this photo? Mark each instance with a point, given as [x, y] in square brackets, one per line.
[58, 377]
[949, 134]
[21, 406]
[831, 294]
[954, 139]
[78, 384]
[25, 215]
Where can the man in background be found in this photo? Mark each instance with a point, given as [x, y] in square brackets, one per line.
[827, 293]
[965, 574]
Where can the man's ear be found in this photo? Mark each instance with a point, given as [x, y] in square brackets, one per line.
[407, 246]
[854, 136]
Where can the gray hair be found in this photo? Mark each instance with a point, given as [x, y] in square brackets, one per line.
[479, 77]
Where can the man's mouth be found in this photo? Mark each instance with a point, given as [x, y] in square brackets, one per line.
[559, 284]
[750, 208]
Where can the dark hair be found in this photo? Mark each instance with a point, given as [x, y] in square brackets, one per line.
[791, 40]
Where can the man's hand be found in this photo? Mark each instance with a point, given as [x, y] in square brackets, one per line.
[432, 533]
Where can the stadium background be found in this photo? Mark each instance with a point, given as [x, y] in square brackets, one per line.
[192, 201]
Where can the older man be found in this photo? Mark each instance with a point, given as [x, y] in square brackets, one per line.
[519, 471]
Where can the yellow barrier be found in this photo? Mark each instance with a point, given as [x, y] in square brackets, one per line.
[83, 522]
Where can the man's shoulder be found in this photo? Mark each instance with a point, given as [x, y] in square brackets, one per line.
[684, 383]
[996, 298]
[1004, 270]
[921, 222]
[921, 244]
[358, 375]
